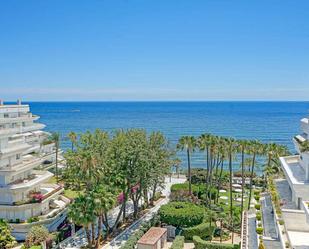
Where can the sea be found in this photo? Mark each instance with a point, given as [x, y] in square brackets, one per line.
[267, 121]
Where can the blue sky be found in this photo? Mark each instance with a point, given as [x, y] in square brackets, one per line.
[154, 50]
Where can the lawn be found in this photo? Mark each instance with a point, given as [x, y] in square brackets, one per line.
[235, 195]
[71, 193]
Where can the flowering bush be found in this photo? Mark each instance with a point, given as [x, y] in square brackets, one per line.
[37, 197]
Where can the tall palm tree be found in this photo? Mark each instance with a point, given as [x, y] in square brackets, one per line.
[73, 138]
[203, 143]
[55, 137]
[104, 200]
[187, 143]
[231, 149]
[81, 211]
[255, 149]
[242, 145]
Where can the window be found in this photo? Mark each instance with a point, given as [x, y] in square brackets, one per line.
[6, 115]
[17, 156]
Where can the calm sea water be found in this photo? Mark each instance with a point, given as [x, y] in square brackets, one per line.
[267, 121]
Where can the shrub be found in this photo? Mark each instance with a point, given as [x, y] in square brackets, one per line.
[257, 197]
[197, 190]
[259, 230]
[258, 206]
[203, 230]
[33, 219]
[178, 243]
[287, 244]
[183, 195]
[36, 235]
[181, 214]
[281, 222]
[202, 244]
[258, 216]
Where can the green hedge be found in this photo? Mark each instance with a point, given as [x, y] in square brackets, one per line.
[181, 214]
[257, 206]
[197, 189]
[203, 230]
[178, 243]
[202, 244]
[259, 230]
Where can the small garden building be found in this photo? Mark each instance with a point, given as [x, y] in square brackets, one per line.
[154, 238]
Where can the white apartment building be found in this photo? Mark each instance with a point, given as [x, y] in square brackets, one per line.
[25, 196]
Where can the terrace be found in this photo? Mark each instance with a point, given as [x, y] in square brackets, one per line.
[34, 179]
[293, 170]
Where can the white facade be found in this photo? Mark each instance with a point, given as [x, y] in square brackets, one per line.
[296, 168]
[25, 195]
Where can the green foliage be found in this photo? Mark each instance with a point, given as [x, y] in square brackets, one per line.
[197, 190]
[36, 235]
[181, 214]
[33, 219]
[202, 230]
[281, 222]
[6, 239]
[257, 206]
[178, 243]
[259, 230]
[202, 244]
[131, 242]
[258, 216]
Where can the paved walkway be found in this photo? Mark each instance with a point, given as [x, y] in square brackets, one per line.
[268, 217]
[270, 238]
[252, 235]
[80, 239]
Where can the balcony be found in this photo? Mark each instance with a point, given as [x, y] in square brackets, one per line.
[32, 127]
[29, 162]
[293, 170]
[34, 179]
[9, 131]
[304, 123]
[297, 140]
[19, 118]
[47, 191]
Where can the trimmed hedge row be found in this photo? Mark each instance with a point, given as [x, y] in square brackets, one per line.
[203, 230]
[178, 243]
[181, 214]
[202, 244]
[196, 189]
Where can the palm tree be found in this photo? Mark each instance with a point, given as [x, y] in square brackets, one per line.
[55, 137]
[204, 142]
[73, 138]
[177, 163]
[221, 218]
[242, 149]
[187, 143]
[104, 200]
[231, 148]
[81, 211]
[255, 148]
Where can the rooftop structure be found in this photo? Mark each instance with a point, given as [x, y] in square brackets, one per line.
[154, 238]
[25, 196]
[296, 168]
[294, 192]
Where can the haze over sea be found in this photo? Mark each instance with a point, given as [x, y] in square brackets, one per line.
[267, 121]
